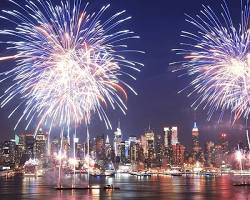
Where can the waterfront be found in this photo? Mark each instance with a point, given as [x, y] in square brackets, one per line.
[131, 187]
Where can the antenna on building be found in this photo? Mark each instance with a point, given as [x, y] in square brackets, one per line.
[119, 124]
[149, 126]
[195, 115]
[107, 139]
[195, 125]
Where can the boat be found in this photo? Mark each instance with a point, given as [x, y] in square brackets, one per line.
[106, 187]
[77, 188]
[176, 174]
[95, 174]
[175, 171]
[110, 187]
[144, 174]
[241, 184]
[103, 173]
[109, 172]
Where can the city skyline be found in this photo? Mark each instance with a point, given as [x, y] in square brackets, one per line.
[157, 87]
[114, 99]
[241, 139]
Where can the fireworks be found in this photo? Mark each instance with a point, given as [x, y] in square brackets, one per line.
[218, 58]
[68, 63]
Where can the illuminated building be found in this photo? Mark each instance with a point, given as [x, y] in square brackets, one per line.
[108, 149]
[117, 141]
[218, 156]
[100, 147]
[209, 153]
[123, 152]
[174, 135]
[55, 146]
[197, 154]
[134, 151]
[66, 145]
[8, 153]
[178, 154]
[20, 150]
[127, 151]
[168, 145]
[150, 144]
[28, 141]
[167, 137]
[40, 145]
[195, 138]
[224, 143]
[159, 150]
[80, 151]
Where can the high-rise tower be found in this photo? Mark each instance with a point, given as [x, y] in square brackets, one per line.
[195, 138]
[117, 140]
[174, 138]
[197, 153]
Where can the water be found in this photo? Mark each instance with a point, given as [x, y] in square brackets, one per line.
[131, 187]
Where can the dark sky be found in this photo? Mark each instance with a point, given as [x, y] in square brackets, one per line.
[159, 24]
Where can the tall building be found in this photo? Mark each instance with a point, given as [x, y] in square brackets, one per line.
[100, 147]
[134, 148]
[20, 150]
[79, 151]
[174, 135]
[168, 144]
[159, 150]
[178, 154]
[167, 137]
[8, 154]
[197, 154]
[123, 152]
[108, 149]
[224, 143]
[40, 145]
[209, 154]
[117, 141]
[195, 138]
[132, 139]
[127, 149]
[65, 146]
[150, 144]
[28, 141]
[55, 146]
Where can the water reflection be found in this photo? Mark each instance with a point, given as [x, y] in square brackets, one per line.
[131, 187]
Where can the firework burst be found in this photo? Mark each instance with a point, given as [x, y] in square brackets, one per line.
[218, 58]
[68, 63]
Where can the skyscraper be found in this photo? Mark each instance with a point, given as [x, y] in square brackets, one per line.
[28, 141]
[8, 154]
[195, 137]
[159, 150]
[117, 141]
[150, 144]
[55, 146]
[40, 145]
[224, 143]
[167, 137]
[197, 153]
[108, 149]
[209, 149]
[178, 154]
[174, 135]
[100, 147]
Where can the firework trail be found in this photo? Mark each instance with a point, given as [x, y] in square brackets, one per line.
[217, 57]
[68, 63]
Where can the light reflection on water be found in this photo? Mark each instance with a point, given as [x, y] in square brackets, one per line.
[131, 187]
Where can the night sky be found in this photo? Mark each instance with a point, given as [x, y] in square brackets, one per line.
[159, 24]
